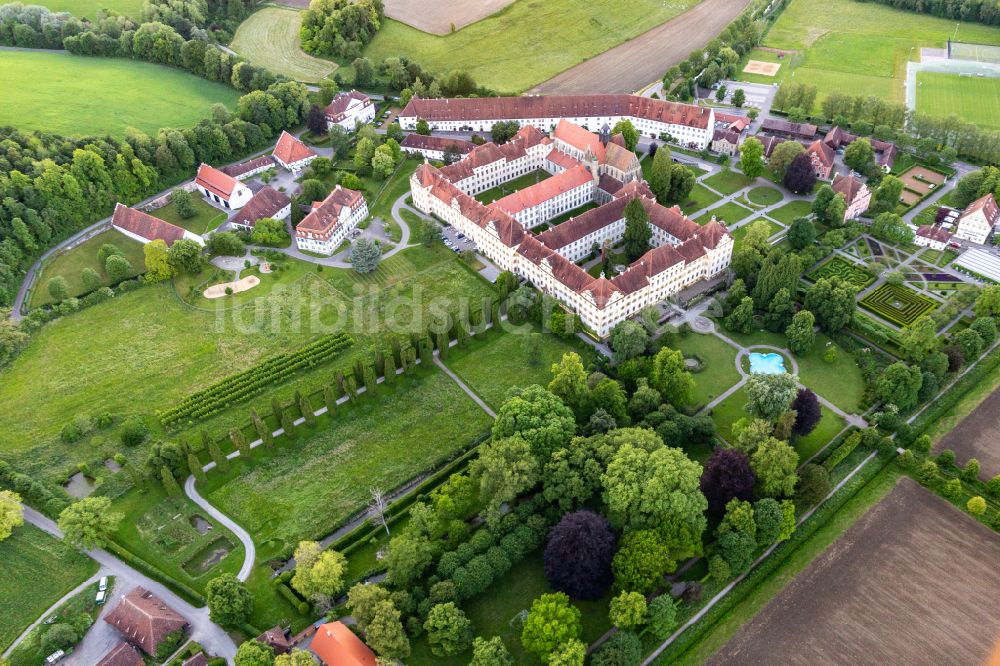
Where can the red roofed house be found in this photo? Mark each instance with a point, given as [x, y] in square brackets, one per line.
[822, 157]
[726, 142]
[348, 109]
[222, 188]
[978, 220]
[275, 638]
[122, 654]
[144, 620]
[145, 228]
[933, 237]
[336, 645]
[268, 202]
[330, 220]
[198, 660]
[435, 147]
[250, 168]
[291, 153]
[856, 194]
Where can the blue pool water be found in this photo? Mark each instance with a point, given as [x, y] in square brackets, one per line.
[766, 364]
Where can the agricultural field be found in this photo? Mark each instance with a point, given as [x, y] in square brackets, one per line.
[854, 275]
[520, 28]
[71, 263]
[37, 570]
[440, 17]
[74, 95]
[976, 436]
[844, 45]
[899, 305]
[905, 584]
[89, 8]
[307, 487]
[270, 38]
[496, 364]
[971, 98]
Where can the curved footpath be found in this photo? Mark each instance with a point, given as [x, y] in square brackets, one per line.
[250, 551]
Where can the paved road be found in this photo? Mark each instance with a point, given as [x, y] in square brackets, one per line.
[212, 637]
[250, 551]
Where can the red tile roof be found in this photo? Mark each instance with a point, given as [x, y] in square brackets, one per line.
[987, 204]
[215, 181]
[561, 159]
[620, 158]
[824, 153]
[336, 645]
[144, 620]
[933, 233]
[148, 227]
[325, 217]
[849, 186]
[275, 637]
[442, 143]
[338, 106]
[777, 126]
[547, 189]
[122, 654]
[557, 106]
[290, 150]
[583, 140]
[198, 660]
[266, 203]
[237, 170]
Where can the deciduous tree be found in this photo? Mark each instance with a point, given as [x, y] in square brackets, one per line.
[799, 176]
[551, 622]
[629, 133]
[538, 416]
[578, 555]
[88, 523]
[449, 631]
[727, 475]
[637, 230]
[769, 396]
[800, 333]
[807, 412]
[670, 377]
[628, 610]
[774, 462]
[229, 601]
[505, 468]
[490, 652]
[752, 157]
[11, 513]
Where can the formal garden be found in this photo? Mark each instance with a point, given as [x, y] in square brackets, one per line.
[853, 274]
[897, 304]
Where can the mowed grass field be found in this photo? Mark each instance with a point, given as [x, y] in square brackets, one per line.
[73, 95]
[270, 38]
[528, 42]
[860, 48]
[306, 487]
[89, 8]
[971, 98]
[37, 570]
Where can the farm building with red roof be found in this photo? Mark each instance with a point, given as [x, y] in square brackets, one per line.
[435, 147]
[268, 202]
[222, 188]
[336, 645]
[144, 620]
[145, 228]
[291, 153]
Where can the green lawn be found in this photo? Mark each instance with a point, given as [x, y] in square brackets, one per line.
[206, 219]
[728, 213]
[531, 36]
[719, 371]
[74, 95]
[491, 614]
[861, 48]
[270, 38]
[764, 196]
[727, 181]
[511, 186]
[305, 488]
[89, 8]
[700, 197]
[728, 412]
[37, 570]
[559, 219]
[71, 263]
[971, 98]
[498, 363]
[739, 233]
[791, 211]
[30, 652]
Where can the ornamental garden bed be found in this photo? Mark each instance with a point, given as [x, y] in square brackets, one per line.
[899, 305]
[854, 275]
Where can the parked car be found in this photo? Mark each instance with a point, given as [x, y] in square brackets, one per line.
[102, 596]
[102, 585]
[54, 657]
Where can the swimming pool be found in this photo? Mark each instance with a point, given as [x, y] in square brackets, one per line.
[766, 364]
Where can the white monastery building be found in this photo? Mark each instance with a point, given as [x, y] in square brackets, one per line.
[585, 170]
[330, 220]
[222, 188]
[689, 125]
[145, 228]
[292, 154]
[435, 147]
[348, 109]
[978, 220]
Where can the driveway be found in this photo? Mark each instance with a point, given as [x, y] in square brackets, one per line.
[250, 551]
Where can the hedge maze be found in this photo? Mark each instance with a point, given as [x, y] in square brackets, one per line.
[855, 276]
[899, 305]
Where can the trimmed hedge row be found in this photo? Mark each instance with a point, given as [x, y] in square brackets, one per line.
[133, 560]
[255, 379]
[841, 452]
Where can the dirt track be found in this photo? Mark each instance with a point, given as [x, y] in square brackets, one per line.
[912, 582]
[437, 16]
[643, 60]
[978, 436]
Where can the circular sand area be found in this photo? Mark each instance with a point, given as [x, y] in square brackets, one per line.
[219, 290]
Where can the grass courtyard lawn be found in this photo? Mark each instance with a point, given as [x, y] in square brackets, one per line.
[790, 211]
[728, 213]
[70, 265]
[74, 95]
[728, 412]
[719, 371]
[764, 196]
[739, 233]
[971, 98]
[532, 42]
[305, 488]
[700, 197]
[511, 186]
[492, 611]
[559, 219]
[89, 8]
[270, 38]
[206, 219]
[37, 570]
[382, 195]
[861, 47]
[829, 425]
[498, 362]
[728, 181]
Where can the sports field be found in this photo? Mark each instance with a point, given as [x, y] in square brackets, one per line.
[89, 8]
[73, 95]
[860, 48]
[529, 41]
[971, 98]
[270, 38]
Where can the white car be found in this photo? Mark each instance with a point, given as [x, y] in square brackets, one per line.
[102, 585]
[102, 596]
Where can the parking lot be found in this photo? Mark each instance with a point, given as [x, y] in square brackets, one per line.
[455, 241]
